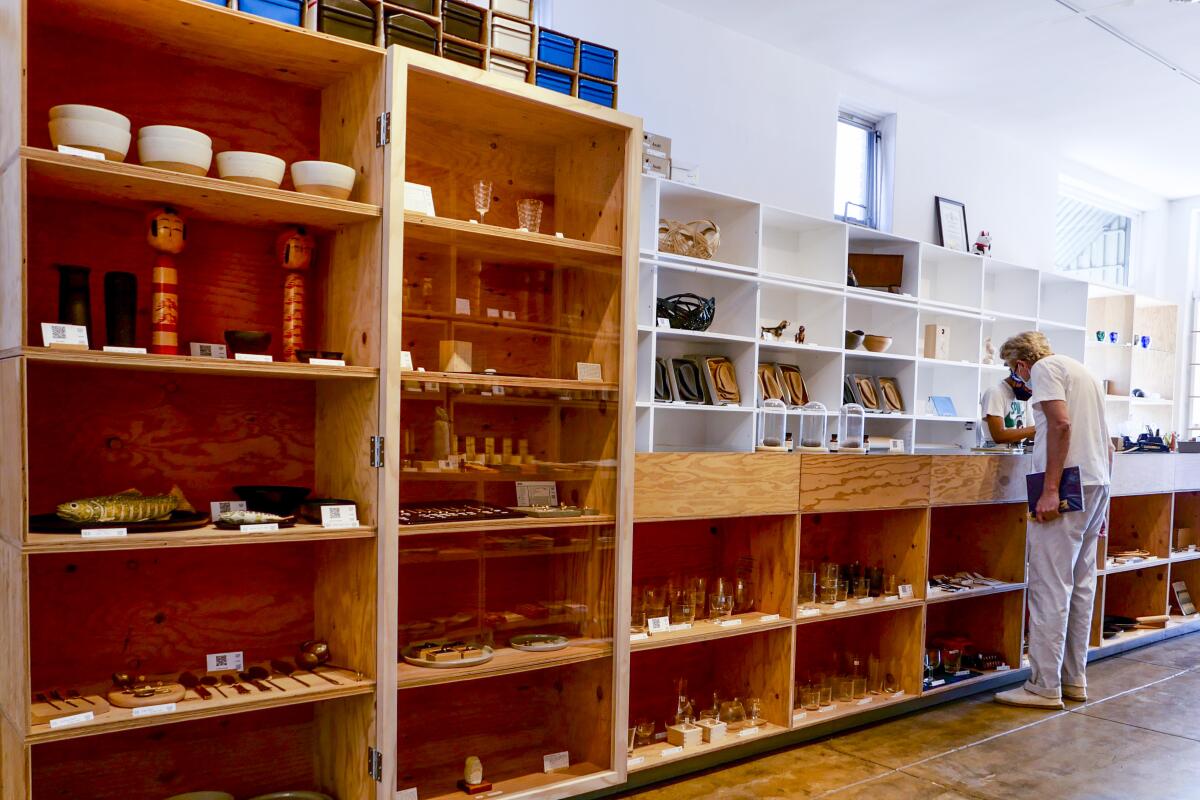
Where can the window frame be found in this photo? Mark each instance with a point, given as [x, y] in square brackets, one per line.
[874, 172]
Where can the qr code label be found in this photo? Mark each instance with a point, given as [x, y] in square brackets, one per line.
[222, 662]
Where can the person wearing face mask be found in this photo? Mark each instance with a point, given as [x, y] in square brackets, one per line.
[1068, 411]
[1004, 410]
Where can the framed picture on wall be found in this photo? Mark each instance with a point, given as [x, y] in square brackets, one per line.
[952, 224]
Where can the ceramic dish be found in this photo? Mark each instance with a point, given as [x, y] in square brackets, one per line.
[254, 342]
[94, 113]
[854, 339]
[281, 500]
[323, 178]
[88, 134]
[538, 642]
[411, 657]
[876, 343]
[293, 796]
[175, 154]
[202, 796]
[175, 132]
[255, 169]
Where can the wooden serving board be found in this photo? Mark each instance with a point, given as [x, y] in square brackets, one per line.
[42, 713]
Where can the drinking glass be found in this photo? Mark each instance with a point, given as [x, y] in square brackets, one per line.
[874, 675]
[829, 592]
[845, 688]
[952, 660]
[483, 198]
[743, 594]
[862, 588]
[732, 712]
[826, 695]
[843, 591]
[891, 585]
[721, 598]
[683, 611]
[806, 596]
[529, 215]
[860, 687]
[933, 661]
[810, 698]
[656, 601]
[645, 733]
[637, 612]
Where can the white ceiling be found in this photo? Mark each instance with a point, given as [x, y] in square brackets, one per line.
[1033, 68]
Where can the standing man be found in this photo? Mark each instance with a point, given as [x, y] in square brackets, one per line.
[1004, 411]
[1068, 409]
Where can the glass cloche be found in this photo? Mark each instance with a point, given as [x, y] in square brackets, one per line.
[772, 424]
[814, 419]
[851, 426]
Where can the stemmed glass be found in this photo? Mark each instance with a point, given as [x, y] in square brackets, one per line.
[483, 198]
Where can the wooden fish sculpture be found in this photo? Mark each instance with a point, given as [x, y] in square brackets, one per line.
[128, 506]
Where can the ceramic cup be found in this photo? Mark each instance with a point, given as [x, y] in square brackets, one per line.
[1112, 337]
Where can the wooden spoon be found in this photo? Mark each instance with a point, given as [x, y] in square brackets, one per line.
[285, 669]
[261, 674]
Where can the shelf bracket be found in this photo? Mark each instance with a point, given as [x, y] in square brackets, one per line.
[375, 764]
[377, 452]
[383, 129]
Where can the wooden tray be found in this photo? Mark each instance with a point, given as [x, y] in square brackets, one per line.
[179, 521]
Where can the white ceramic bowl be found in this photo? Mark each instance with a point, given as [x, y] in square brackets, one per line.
[176, 132]
[176, 155]
[256, 169]
[96, 113]
[88, 134]
[324, 178]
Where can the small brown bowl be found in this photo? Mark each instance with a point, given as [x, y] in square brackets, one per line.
[254, 342]
[854, 339]
[876, 343]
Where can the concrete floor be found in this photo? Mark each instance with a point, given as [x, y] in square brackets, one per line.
[1138, 736]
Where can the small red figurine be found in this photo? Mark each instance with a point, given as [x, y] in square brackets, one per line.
[295, 248]
[167, 233]
[983, 244]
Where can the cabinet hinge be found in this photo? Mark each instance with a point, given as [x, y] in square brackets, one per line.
[383, 129]
[375, 764]
[377, 452]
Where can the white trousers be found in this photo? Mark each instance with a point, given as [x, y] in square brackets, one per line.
[1062, 589]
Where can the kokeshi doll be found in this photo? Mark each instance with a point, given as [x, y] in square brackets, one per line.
[167, 233]
[295, 255]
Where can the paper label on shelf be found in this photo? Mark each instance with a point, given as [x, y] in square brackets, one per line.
[659, 624]
[202, 350]
[226, 507]
[587, 371]
[509, 315]
[748, 731]
[328, 362]
[260, 358]
[906, 591]
[74, 719]
[220, 662]
[866, 701]
[1003, 668]
[682, 626]
[112, 348]
[865, 600]
[663, 322]
[799, 716]
[493, 313]
[556, 761]
[537, 493]
[891, 598]
[769, 618]
[339, 516]
[729, 623]
[938, 682]
[407, 794]
[826, 709]
[406, 360]
[67, 150]
[418, 198]
[638, 637]
[103, 533]
[840, 604]
[636, 762]
[671, 751]
[262, 527]
[153, 711]
[897, 695]
[462, 306]
[56, 333]
[810, 612]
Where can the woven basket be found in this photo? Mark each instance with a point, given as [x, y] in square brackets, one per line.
[699, 239]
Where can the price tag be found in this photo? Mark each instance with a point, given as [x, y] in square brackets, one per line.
[748, 731]
[587, 371]
[226, 507]
[406, 360]
[494, 792]
[891, 598]
[636, 762]
[906, 591]
[840, 604]
[509, 315]
[202, 350]
[671, 751]
[862, 601]
[556, 761]
[103, 533]
[799, 716]
[462, 306]
[328, 362]
[866, 701]
[729, 623]
[769, 618]
[407, 794]
[220, 662]
[339, 516]
[637, 637]
[810, 612]
[663, 322]
[938, 682]
[826, 709]
[493, 313]
[659, 624]
[69, 336]
[74, 719]
[67, 150]
[262, 527]
[898, 695]
[1003, 668]
[154, 711]
[112, 348]
[260, 358]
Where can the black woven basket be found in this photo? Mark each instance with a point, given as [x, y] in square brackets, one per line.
[689, 312]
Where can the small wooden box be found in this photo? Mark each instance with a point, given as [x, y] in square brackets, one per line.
[878, 270]
[683, 735]
[454, 356]
[712, 730]
[514, 8]
[937, 341]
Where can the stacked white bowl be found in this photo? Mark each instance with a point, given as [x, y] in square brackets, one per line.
[175, 148]
[91, 128]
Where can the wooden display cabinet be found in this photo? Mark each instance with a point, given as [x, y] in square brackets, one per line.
[1141, 522]
[989, 541]
[897, 541]
[1137, 593]
[991, 623]
[1185, 524]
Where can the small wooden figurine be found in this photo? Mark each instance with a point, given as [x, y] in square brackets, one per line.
[167, 233]
[774, 332]
[295, 249]
[800, 335]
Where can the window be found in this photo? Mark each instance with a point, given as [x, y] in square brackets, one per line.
[857, 172]
[1092, 242]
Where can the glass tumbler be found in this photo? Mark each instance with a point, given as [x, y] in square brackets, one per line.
[845, 689]
[825, 695]
[810, 697]
[683, 610]
[529, 215]
[806, 596]
[862, 588]
[860, 687]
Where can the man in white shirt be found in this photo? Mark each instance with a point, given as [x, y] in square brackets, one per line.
[1004, 411]
[1068, 412]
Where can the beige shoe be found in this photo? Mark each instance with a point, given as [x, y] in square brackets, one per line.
[1026, 699]
[1076, 694]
